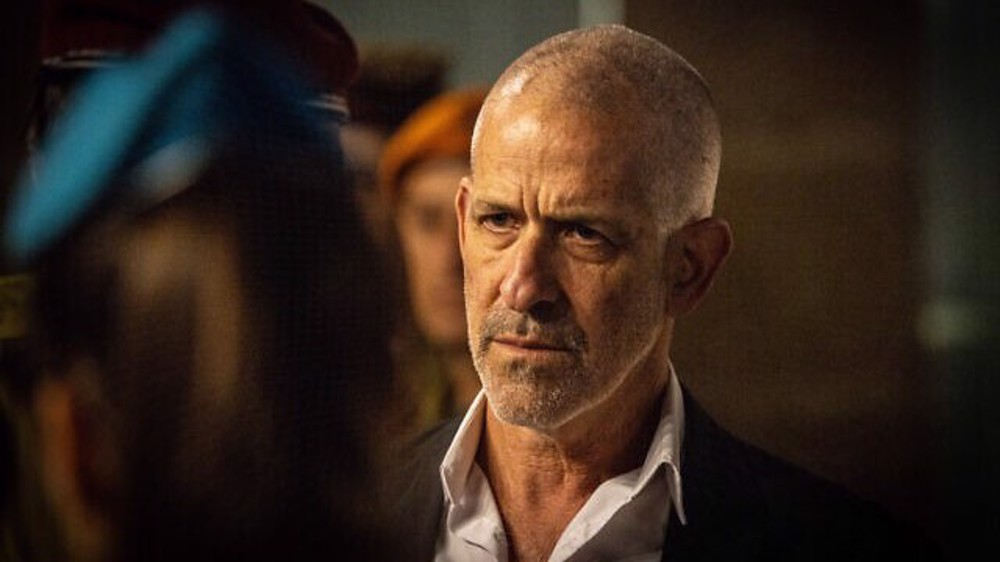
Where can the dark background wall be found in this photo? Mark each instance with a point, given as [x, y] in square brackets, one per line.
[808, 345]
[855, 330]
[18, 39]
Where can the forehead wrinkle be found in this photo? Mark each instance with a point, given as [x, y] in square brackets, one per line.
[538, 144]
[594, 168]
[623, 215]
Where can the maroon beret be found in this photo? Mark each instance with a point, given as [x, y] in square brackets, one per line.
[86, 33]
[329, 49]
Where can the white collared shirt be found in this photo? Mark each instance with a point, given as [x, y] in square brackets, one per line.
[624, 519]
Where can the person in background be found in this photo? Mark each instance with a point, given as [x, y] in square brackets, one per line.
[418, 175]
[392, 82]
[208, 340]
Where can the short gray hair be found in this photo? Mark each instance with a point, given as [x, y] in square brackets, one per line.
[614, 71]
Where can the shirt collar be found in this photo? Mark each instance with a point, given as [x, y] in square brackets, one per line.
[664, 450]
[461, 453]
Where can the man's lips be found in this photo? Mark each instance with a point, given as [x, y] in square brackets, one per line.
[529, 343]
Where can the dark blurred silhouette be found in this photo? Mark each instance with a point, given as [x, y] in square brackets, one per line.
[204, 375]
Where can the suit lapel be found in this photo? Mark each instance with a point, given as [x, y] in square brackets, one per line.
[417, 500]
[724, 520]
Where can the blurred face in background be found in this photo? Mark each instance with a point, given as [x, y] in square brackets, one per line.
[428, 237]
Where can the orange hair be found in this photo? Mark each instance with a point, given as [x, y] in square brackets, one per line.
[441, 128]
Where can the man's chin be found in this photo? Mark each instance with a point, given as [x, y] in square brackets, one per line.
[529, 407]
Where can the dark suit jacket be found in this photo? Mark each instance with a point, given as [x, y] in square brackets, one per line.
[740, 502]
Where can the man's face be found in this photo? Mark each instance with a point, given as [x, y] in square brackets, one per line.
[428, 236]
[565, 280]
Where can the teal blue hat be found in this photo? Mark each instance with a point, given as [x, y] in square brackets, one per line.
[137, 133]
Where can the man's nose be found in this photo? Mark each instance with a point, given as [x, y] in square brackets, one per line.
[530, 280]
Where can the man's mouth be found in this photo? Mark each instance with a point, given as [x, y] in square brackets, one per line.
[534, 344]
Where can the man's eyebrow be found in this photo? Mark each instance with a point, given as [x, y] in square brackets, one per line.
[585, 217]
[589, 214]
[485, 206]
[612, 223]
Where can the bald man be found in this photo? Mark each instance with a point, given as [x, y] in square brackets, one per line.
[586, 232]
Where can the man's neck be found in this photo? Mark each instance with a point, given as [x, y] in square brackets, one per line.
[541, 479]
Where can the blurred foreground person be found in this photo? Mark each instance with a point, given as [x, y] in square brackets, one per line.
[419, 173]
[208, 341]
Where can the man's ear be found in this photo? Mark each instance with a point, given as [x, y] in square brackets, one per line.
[461, 206]
[75, 456]
[699, 251]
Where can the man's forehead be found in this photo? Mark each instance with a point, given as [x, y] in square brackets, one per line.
[530, 138]
[564, 189]
[558, 139]
[573, 199]
[519, 126]
[531, 123]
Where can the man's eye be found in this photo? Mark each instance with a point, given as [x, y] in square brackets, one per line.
[587, 243]
[585, 234]
[497, 221]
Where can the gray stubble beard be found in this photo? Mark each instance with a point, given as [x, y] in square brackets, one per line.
[527, 395]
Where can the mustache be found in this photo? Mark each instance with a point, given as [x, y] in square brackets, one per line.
[563, 333]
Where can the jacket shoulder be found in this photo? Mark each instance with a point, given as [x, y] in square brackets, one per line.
[782, 510]
[414, 497]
